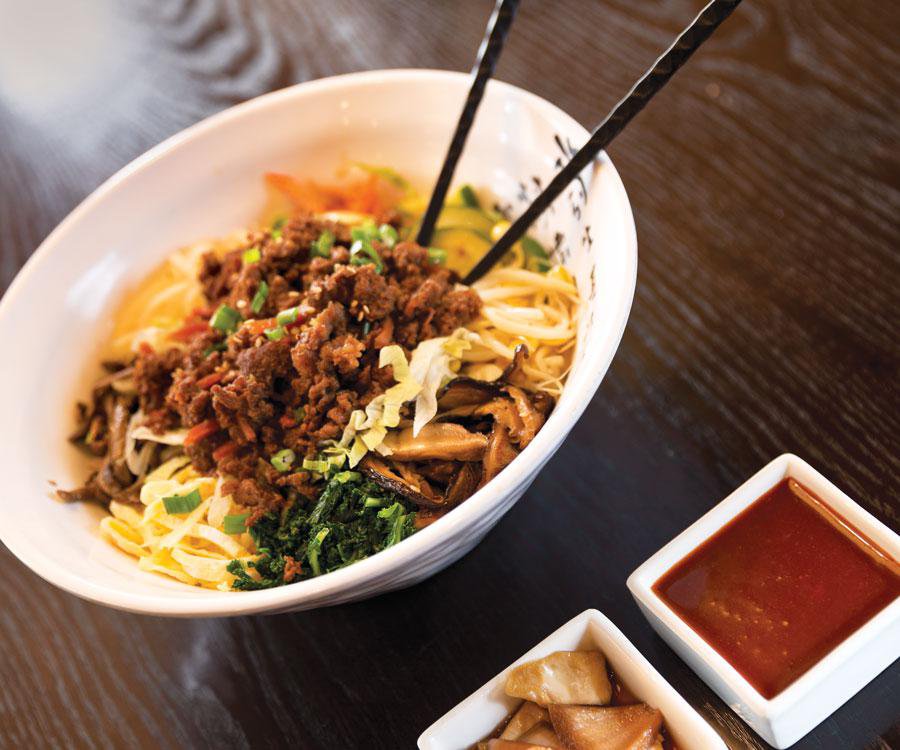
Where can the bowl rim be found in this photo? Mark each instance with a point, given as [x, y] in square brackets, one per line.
[686, 716]
[766, 710]
[211, 603]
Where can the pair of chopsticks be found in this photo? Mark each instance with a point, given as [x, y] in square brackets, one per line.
[641, 93]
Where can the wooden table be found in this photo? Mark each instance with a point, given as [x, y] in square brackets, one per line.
[764, 183]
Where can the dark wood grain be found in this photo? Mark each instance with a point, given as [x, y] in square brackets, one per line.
[766, 188]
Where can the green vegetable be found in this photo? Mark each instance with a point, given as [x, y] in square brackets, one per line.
[275, 334]
[465, 217]
[467, 246]
[367, 326]
[225, 319]
[388, 235]
[251, 256]
[235, 524]
[177, 504]
[277, 226]
[259, 299]
[312, 551]
[300, 413]
[286, 317]
[364, 232]
[283, 460]
[350, 520]
[468, 197]
[322, 247]
[437, 255]
[397, 518]
[313, 464]
[362, 253]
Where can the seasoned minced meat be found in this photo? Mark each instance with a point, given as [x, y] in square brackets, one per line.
[248, 397]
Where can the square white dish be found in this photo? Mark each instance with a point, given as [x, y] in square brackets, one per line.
[479, 714]
[792, 713]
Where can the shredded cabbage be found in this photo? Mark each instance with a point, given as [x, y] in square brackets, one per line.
[434, 363]
[366, 429]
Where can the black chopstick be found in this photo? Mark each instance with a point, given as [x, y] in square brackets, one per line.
[488, 54]
[644, 90]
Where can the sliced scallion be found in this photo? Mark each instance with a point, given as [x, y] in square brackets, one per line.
[362, 253]
[235, 524]
[342, 477]
[286, 317]
[283, 460]
[225, 319]
[312, 464]
[275, 334]
[177, 504]
[388, 234]
[277, 227]
[364, 232]
[437, 255]
[251, 256]
[259, 299]
[373, 502]
[322, 247]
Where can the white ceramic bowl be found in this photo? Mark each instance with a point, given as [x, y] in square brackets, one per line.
[785, 718]
[206, 181]
[480, 713]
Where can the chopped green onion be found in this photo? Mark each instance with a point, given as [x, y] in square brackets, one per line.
[283, 460]
[437, 255]
[364, 232]
[322, 246]
[388, 234]
[373, 502]
[468, 197]
[312, 464]
[286, 317]
[342, 477]
[259, 299]
[312, 552]
[251, 256]
[300, 413]
[177, 504]
[275, 334]
[277, 227]
[367, 326]
[362, 253]
[225, 319]
[235, 524]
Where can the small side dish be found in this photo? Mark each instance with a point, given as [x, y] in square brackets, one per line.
[572, 700]
[780, 586]
[584, 686]
[784, 598]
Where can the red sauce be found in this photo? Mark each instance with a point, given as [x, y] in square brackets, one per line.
[780, 586]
